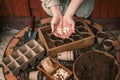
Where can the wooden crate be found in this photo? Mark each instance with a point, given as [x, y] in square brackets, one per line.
[52, 49]
[26, 54]
[57, 66]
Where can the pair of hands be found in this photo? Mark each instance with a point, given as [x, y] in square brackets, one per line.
[62, 26]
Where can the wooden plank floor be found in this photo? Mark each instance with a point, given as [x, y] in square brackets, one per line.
[110, 24]
[20, 23]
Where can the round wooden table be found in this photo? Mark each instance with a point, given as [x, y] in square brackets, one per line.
[19, 36]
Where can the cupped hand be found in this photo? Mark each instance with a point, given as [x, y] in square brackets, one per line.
[62, 26]
[55, 22]
[68, 26]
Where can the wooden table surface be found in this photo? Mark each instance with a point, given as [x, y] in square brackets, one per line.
[20, 34]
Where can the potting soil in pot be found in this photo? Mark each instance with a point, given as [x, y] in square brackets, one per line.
[95, 65]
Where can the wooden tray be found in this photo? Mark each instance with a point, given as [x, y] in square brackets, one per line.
[57, 66]
[52, 49]
[20, 58]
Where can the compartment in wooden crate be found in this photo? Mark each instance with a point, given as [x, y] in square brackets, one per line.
[7, 60]
[83, 37]
[16, 54]
[58, 68]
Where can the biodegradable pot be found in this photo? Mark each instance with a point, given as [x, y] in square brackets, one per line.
[66, 55]
[34, 75]
[76, 33]
[85, 34]
[58, 42]
[79, 23]
[62, 55]
[107, 44]
[82, 29]
[49, 32]
[53, 37]
[100, 35]
[47, 65]
[65, 41]
[76, 37]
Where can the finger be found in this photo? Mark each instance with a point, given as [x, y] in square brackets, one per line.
[59, 36]
[55, 34]
[64, 36]
[73, 27]
[52, 27]
[68, 35]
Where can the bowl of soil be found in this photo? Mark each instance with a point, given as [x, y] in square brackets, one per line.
[96, 65]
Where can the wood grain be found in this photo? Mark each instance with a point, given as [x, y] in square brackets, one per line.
[19, 8]
[96, 11]
[113, 7]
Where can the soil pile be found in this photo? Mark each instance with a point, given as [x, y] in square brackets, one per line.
[95, 65]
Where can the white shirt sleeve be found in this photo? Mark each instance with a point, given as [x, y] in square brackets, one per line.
[46, 4]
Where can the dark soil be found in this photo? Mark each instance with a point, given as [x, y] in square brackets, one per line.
[85, 35]
[79, 23]
[108, 43]
[95, 66]
[58, 43]
[82, 29]
[76, 37]
[101, 35]
[67, 41]
[48, 31]
[52, 37]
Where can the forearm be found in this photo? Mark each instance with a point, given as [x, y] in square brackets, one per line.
[51, 6]
[72, 8]
[56, 10]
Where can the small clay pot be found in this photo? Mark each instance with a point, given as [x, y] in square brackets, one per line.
[48, 65]
[58, 43]
[82, 29]
[49, 32]
[52, 37]
[79, 23]
[100, 35]
[107, 44]
[34, 75]
[85, 35]
[76, 32]
[76, 37]
[66, 55]
[65, 41]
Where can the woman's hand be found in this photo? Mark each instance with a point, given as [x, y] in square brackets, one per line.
[68, 27]
[62, 27]
[56, 19]
[56, 23]
[68, 17]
